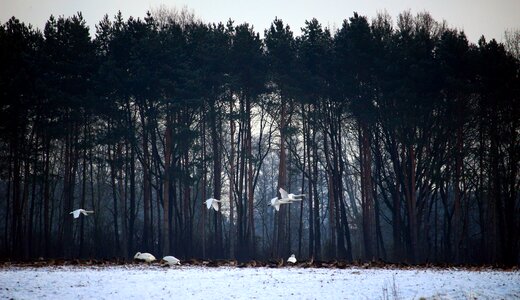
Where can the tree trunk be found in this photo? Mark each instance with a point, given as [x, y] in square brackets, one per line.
[307, 139]
[68, 192]
[250, 191]
[112, 156]
[203, 186]
[46, 199]
[122, 203]
[457, 218]
[232, 183]
[367, 199]
[83, 197]
[147, 190]
[282, 183]
[217, 179]
[131, 219]
[411, 201]
[317, 223]
[166, 186]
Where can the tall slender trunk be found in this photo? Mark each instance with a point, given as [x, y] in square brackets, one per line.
[166, 186]
[511, 209]
[367, 199]
[232, 183]
[495, 199]
[379, 178]
[7, 241]
[188, 229]
[46, 197]
[147, 190]
[457, 217]
[334, 217]
[122, 202]
[131, 148]
[242, 205]
[83, 195]
[30, 243]
[397, 230]
[15, 183]
[317, 223]
[307, 139]
[411, 198]
[203, 186]
[217, 175]
[343, 221]
[300, 227]
[131, 219]
[282, 183]
[68, 194]
[112, 156]
[250, 191]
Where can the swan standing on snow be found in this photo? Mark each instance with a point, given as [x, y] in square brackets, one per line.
[76, 213]
[292, 259]
[171, 260]
[147, 257]
[212, 202]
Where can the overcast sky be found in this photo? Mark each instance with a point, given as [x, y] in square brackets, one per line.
[476, 17]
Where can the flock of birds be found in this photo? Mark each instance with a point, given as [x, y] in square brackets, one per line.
[147, 257]
[287, 198]
[172, 260]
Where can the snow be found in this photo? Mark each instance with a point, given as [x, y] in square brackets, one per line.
[187, 282]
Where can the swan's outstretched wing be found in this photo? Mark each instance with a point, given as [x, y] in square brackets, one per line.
[75, 213]
[209, 202]
[296, 197]
[215, 205]
[283, 193]
[293, 198]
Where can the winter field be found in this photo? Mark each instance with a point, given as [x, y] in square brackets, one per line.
[189, 282]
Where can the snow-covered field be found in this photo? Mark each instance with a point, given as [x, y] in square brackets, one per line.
[153, 282]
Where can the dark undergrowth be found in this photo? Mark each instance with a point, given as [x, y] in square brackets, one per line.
[334, 264]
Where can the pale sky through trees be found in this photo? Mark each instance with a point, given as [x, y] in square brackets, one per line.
[475, 17]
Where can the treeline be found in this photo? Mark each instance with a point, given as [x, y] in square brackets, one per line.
[404, 138]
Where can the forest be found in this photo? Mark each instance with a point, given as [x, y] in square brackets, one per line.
[402, 134]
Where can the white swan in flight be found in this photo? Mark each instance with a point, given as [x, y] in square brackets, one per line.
[291, 197]
[171, 260]
[76, 213]
[212, 202]
[147, 257]
[292, 259]
[275, 202]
